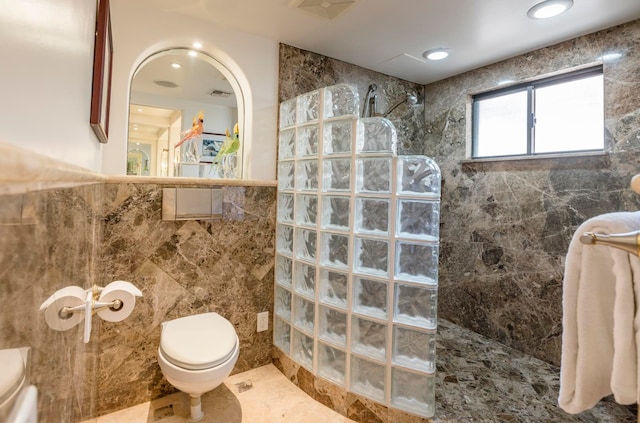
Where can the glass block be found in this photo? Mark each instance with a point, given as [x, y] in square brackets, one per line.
[337, 136]
[283, 270]
[333, 288]
[302, 349]
[286, 175]
[305, 277]
[418, 219]
[417, 262]
[308, 139]
[306, 243]
[336, 175]
[284, 239]
[376, 135]
[335, 212]
[370, 297]
[334, 250]
[304, 314]
[416, 305]
[285, 208]
[287, 144]
[372, 215]
[373, 175]
[332, 363]
[333, 326]
[368, 338]
[414, 349]
[371, 256]
[306, 209]
[308, 107]
[341, 100]
[413, 392]
[283, 303]
[307, 175]
[367, 379]
[418, 175]
[282, 335]
[288, 113]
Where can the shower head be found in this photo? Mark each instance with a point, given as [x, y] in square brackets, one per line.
[409, 98]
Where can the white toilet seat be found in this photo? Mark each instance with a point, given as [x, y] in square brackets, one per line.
[198, 342]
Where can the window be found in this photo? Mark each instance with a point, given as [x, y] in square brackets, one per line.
[559, 114]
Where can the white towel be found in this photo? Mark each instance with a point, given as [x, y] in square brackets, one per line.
[600, 323]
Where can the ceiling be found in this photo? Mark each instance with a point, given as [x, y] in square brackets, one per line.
[188, 79]
[390, 36]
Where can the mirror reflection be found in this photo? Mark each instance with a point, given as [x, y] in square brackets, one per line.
[169, 92]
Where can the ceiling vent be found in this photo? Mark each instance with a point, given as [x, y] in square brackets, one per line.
[219, 93]
[327, 9]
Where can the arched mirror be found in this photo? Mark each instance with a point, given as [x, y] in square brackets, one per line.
[168, 91]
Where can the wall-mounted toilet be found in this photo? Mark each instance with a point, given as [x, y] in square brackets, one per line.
[196, 354]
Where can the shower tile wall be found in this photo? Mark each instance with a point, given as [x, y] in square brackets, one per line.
[303, 71]
[506, 226]
[181, 267]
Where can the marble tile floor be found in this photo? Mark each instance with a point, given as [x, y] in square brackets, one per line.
[478, 380]
[262, 395]
[482, 381]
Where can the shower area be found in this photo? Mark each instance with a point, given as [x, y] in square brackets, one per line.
[356, 252]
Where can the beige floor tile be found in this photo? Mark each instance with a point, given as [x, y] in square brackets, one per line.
[262, 395]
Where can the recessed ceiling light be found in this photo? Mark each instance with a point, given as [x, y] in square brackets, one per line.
[609, 57]
[197, 45]
[193, 53]
[436, 54]
[140, 110]
[175, 65]
[549, 9]
[166, 84]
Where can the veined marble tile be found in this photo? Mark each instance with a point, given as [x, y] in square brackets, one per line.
[506, 226]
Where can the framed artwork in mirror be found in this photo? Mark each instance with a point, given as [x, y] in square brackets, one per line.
[211, 143]
[102, 66]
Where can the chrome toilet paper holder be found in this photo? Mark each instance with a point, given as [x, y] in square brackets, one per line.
[112, 303]
[115, 305]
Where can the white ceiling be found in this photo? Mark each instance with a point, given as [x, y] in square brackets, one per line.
[390, 36]
[194, 80]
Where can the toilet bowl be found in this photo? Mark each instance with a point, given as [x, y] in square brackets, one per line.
[196, 354]
[13, 378]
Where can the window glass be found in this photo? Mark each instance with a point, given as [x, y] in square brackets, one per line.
[502, 125]
[553, 115]
[569, 116]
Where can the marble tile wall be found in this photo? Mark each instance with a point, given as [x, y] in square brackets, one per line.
[183, 268]
[100, 233]
[506, 226]
[53, 245]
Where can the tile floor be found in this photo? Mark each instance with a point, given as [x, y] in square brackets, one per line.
[262, 395]
[478, 380]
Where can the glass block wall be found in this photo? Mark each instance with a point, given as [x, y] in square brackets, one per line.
[356, 252]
